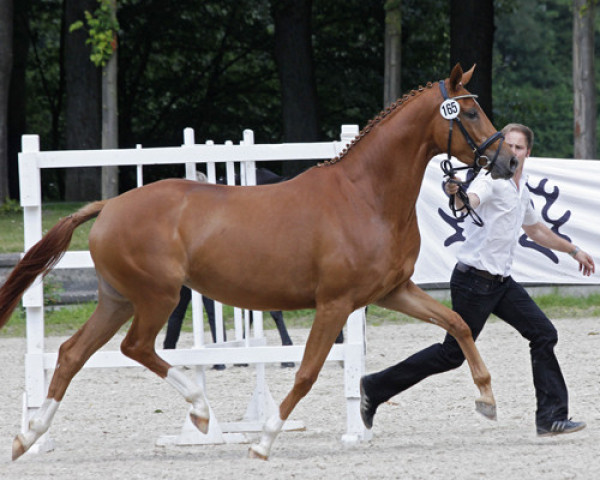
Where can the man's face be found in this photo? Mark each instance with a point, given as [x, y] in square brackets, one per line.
[517, 142]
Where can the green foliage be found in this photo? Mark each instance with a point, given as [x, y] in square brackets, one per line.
[209, 65]
[205, 65]
[102, 28]
[10, 206]
[533, 73]
[43, 76]
[425, 42]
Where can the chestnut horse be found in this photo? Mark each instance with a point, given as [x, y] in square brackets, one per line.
[333, 239]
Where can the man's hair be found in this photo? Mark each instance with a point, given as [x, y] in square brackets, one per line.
[522, 129]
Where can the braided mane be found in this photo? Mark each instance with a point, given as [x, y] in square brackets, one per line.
[374, 121]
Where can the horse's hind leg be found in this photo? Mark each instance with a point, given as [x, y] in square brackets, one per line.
[110, 314]
[413, 301]
[139, 344]
[329, 320]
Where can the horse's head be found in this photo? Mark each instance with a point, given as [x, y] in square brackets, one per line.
[464, 130]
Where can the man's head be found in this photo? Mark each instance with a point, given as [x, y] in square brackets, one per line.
[519, 138]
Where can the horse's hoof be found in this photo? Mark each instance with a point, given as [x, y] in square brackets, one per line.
[488, 410]
[18, 448]
[253, 453]
[201, 423]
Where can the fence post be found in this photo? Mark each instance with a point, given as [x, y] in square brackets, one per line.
[36, 384]
[189, 141]
[354, 369]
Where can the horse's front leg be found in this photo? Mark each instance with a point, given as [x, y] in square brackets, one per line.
[329, 320]
[413, 301]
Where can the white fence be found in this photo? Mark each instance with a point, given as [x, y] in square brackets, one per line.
[249, 345]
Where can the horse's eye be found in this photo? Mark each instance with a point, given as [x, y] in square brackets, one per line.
[471, 114]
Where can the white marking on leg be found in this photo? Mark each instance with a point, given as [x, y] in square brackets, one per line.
[191, 391]
[39, 423]
[271, 429]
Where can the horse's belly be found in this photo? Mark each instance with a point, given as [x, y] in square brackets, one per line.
[253, 271]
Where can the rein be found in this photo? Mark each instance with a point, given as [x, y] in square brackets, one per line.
[449, 171]
[480, 160]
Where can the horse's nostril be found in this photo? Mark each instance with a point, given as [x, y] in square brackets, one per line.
[514, 163]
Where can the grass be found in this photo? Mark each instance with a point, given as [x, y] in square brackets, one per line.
[66, 320]
[559, 306]
[11, 226]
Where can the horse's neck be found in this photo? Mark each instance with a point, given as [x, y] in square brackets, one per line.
[389, 169]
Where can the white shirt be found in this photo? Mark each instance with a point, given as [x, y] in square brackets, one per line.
[504, 208]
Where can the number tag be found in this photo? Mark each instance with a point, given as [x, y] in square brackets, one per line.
[450, 109]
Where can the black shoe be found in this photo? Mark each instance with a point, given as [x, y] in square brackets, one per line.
[367, 408]
[560, 426]
[288, 364]
[219, 366]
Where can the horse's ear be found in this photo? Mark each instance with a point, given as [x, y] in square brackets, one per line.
[456, 77]
[467, 75]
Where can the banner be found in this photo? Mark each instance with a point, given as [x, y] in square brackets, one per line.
[566, 193]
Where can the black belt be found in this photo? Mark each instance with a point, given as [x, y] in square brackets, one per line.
[461, 267]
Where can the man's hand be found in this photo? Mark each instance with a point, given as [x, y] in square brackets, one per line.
[586, 263]
[451, 186]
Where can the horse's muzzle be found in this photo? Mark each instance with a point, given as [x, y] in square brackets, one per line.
[504, 169]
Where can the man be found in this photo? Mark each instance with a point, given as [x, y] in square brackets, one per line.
[481, 285]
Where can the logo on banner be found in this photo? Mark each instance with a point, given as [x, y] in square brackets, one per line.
[540, 191]
[549, 198]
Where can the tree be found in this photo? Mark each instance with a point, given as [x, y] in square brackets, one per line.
[6, 42]
[83, 108]
[472, 41]
[533, 73]
[294, 58]
[17, 102]
[110, 109]
[393, 52]
[102, 29]
[584, 83]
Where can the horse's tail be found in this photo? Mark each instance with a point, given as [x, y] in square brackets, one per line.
[40, 258]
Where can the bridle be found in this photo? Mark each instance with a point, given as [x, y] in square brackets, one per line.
[480, 160]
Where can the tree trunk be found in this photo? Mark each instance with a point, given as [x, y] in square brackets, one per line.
[393, 52]
[584, 82]
[17, 101]
[83, 106]
[6, 43]
[110, 120]
[471, 41]
[293, 55]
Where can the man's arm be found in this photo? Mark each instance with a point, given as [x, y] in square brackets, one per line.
[542, 235]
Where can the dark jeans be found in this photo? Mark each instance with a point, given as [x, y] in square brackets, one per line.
[178, 314]
[475, 298]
